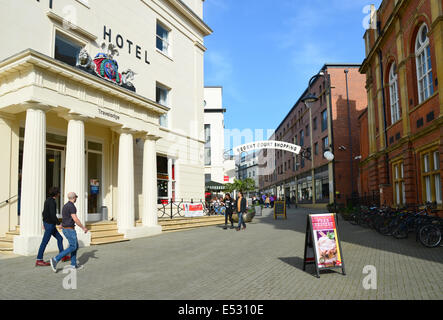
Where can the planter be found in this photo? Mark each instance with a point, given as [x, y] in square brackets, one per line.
[246, 217]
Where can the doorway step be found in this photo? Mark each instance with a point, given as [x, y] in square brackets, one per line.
[182, 224]
[104, 232]
[7, 242]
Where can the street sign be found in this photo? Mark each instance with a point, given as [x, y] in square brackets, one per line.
[322, 245]
[279, 209]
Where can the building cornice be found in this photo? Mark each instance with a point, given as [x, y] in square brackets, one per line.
[181, 7]
[366, 62]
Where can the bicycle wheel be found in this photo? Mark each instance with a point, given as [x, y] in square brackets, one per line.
[430, 236]
[353, 219]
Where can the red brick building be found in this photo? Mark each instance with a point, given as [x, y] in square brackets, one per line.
[331, 123]
[401, 131]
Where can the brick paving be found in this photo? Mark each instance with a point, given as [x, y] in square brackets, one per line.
[262, 263]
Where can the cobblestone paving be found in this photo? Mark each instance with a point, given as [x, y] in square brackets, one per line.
[262, 263]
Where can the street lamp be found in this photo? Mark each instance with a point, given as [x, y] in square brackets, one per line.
[311, 98]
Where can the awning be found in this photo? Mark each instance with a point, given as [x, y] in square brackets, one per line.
[214, 186]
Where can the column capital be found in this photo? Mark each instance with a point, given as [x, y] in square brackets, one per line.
[36, 106]
[121, 129]
[71, 115]
[151, 137]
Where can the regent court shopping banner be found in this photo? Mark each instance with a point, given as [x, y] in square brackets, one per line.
[193, 210]
[322, 238]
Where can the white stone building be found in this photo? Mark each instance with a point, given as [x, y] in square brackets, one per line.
[81, 129]
[219, 167]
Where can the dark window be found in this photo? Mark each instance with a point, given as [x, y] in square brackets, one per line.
[391, 140]
[314, 123]
[430, 116]
[307, 130]
[420, 123]
[397, 136]
[66, 50]
[324, 121]
[302, 138]
[316, 148]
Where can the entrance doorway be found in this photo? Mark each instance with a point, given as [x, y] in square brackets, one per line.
[54, 169]
[94, 163]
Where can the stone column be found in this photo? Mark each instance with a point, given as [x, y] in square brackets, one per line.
[75, 171]
[33, 182]
[126, 215]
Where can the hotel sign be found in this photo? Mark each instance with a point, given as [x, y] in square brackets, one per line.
[133, 49]
[268, 145]
[109, 114]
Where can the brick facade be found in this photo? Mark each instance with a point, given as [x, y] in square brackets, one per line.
[417, 134]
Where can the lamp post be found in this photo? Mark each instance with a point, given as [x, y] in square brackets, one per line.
[309, 100]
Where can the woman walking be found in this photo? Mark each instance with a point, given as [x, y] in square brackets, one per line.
[229, 205]
[241, 209]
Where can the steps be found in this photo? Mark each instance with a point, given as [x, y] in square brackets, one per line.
[181, 224]
[104, 232]
[7, 242]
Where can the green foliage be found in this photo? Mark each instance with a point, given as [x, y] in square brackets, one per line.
[240, 185]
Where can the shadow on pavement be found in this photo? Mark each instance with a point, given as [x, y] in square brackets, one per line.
[296, 221]
[86, 256]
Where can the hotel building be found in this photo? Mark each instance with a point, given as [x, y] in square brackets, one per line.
[104, 99]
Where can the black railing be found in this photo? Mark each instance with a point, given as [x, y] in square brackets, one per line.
[7, 200]
[174, 209]
[366, 199]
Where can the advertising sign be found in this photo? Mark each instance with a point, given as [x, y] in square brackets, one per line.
[94, 185]
[322, 239]
[279, 209]
[193, 210]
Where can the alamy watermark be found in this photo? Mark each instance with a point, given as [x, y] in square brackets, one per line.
[370, 281]
[70, 281]
[370, 20]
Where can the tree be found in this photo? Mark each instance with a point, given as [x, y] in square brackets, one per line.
[240, 185]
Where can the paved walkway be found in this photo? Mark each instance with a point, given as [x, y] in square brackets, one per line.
[264, 262]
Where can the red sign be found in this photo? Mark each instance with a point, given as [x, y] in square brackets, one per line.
[226, 178]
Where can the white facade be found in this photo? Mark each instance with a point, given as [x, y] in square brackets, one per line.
[62, 125]
[218, 165]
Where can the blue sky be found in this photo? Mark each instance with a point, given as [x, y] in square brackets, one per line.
[264, 52]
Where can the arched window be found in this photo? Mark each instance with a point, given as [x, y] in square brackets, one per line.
[424, 65]
[393, 94]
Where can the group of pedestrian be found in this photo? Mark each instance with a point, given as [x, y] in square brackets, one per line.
[268, 200]
[68, 223]
[229, 206]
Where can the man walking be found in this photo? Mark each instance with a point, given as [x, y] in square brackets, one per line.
[69, 220]
[50, 222]
[241, 209]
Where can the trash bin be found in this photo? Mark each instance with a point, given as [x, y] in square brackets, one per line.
[104, 213]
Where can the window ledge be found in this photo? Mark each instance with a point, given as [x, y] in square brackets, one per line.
[425, 101]
[164, 54]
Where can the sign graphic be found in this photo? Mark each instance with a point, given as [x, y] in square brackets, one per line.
[267, 145]
[322, 245]
[193, 210]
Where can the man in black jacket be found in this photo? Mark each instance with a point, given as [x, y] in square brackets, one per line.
[229, 205]
[50, 221]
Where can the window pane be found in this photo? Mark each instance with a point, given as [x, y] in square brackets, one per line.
[66, 50]
[428, 189]
[426, 163]
[437, 189]
[94, 146]
[436, 160]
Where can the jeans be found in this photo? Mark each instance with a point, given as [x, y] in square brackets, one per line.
[50, 230]
[71, 235]
[240, 220]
